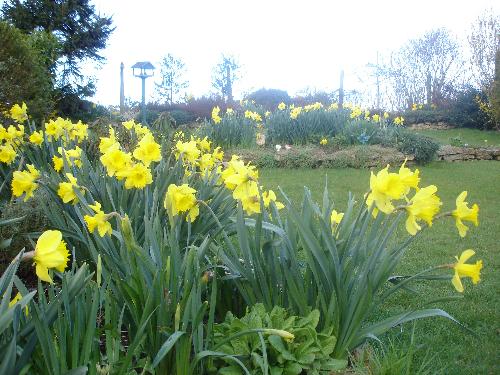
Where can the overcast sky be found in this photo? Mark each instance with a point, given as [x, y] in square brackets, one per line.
[281, 44]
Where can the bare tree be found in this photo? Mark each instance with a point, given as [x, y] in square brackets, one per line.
[172, 78]
[484, 42]
[424, 69]
[224, 75]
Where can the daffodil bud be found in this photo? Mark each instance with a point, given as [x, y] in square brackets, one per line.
[127, 232]
[279, 332]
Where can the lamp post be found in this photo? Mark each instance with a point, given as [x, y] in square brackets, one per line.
[145, 70]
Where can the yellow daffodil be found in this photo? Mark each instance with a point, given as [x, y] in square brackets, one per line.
[399, 121]
[99, 221]
[386, 115]
[7, 153]
[50, 252]
[66, 190]
[270, 196]
[15, 300]
[218, 154]
[115, 160]
[229, 111]
[36, 138]
[147, 150]
[466, 270]
[204, 144]
[18, 113]
[128, 124]
[24, 182]
[248, 195]
[384, 188]
[58, 163]
[215, 115]
[141, 131]
[323, 142]
[464, 213]
[408, 178]
[376, 117]
[333, 107]
[206, 163]
[336, 217]
[189, 150]
[423, 206]
[107, 142]
[282, 106]
[179, 199]
[295, 112]
[136, 176]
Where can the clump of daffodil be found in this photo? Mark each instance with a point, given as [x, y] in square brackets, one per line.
[253, 116]
[18, 113]
[295, 112]
[424, 206]
[323, 142]
[147, 150]
[203, 144]
[50, 253]
[7, 153]
[463, 269]
[36, 138]
[356, 112]
[215, 115]
[23, 182]
[180, 199]
[99, 221]
[464, 213]
[66, 190]
[72, 156]
[136, 176]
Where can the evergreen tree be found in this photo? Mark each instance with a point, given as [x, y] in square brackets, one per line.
[79, 30]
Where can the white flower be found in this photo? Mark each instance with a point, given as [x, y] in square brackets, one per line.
[278, 148]
[288, 147]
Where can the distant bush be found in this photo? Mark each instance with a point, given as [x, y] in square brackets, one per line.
[182, 116]
[269, 98]
[466, 108]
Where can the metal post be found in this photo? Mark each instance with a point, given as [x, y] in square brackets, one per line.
[143, 104]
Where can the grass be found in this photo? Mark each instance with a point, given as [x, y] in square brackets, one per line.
[456, 350]
[472, 137]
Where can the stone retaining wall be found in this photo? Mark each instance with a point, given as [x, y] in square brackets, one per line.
[453, 153]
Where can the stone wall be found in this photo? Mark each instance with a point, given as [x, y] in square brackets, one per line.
[453, 153]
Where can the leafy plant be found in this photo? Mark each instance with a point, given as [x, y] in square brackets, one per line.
[276, 343]
[424, 148]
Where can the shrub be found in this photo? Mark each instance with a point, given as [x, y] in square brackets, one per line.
[269, 98]
[424, 148]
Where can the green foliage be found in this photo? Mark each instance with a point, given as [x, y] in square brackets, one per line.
[233, 130]
[24, 76]
[260, 343]
[29, 322]
[424, 148]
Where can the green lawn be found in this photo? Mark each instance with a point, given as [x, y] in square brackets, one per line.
[472, 137]
[457, 351]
